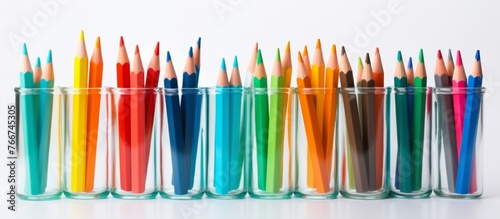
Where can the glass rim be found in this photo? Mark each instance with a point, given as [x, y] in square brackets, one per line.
[20, 90]
[356, 90]
[458, 90]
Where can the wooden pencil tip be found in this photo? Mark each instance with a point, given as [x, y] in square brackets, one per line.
[360, 62]
[191, 52]
[136, 49]
[278, 57]
[98, 43]
[49, 57]
[400, 56]
[25, 49]
[334, 49]
[367, 59]
[450, 56]
[410, 63]
[259, 57]
[343, 50]
[421, 56]
[38, 62]
[305, 52]
[300, 57]
[376, 51]
[459, 58]
[478, 56]
[440, 56]
[82, 37]
[223, 65]
[157, 48]
[318, 44]
[121, 41]
[287, 48]
[235, 62]
[198, 43]
[168, 56]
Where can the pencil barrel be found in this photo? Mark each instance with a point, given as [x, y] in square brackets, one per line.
[39, 143]
[133, 170]
[226, 145]
[318, 146]
[270, 144]
[363, 148]
[458, 174]
[182, 165]
[410, 168]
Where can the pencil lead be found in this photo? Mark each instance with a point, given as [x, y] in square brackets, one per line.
[287, 49]
[421, 56]
[157, 48]
[25, 49]
[367, 59]
[334, 49]
[223, 65]
[82, 37]
[37, 63]
[168, 56]
[49, 57]
[259, 57]
[121, 41]
[440, 56]
[98, 43]
[343, 50]
[305, 52]
[191, 52]
[300, 57]
[450, 57]
[478, 56]
[410, 63]
[376, 51]
[459, 58]
[400, 57]
[136, 49]
[199, 42]
[235, 62]
[318, 44]
[360, 62]
[278, 57]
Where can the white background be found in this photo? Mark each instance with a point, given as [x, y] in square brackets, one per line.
[233, 30]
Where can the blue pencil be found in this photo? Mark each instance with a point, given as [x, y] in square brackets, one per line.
[471, 120]
[222, 132]
[179, 167]
[237, 149]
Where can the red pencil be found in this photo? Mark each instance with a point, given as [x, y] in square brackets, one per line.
[153, 75]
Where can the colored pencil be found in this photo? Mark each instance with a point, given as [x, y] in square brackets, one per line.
[152, 78]
[197, 58]
[378, 77]
[137, 110]
[353, 125]
[418, 123]
[45, 119]
[403, 134]
[330, 112]
[318, 81]
[29, 128]
[79, 125]
[197, 100]
[459, 81]
[310, 168]
[447, 125]
[276, 129]
[261, 119]
[286, 66]
[175, 130]
[93, 110]
[314, 142]
[368, 122]
[123, 81]
[237, 149]
[307, 63]
[470, 128]
[450, 65]
[222, 130]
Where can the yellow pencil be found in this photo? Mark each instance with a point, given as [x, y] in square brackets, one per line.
[79, 125]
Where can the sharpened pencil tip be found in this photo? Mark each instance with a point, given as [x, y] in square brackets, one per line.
[343, 50]
[223, 65]
[410, 63]
[360, 62]
[37, 63]
[168, 56]
[287, 49]
[300, 57]
[259, 57]
[235, 62]
[421, 56]
[49, 57]
[278, 57]
[157, 48]
[334, 49]
[450, 56]
[440, 56]
[198, 43]
[25, 49]
[136, 49]
[191, 52]
[318, 44]
[478, 56]
[459, 58]
[400, 56]
[121, 41]
[82, 37]
[367, 59]
[98, 43]
[305, 52]
[376, 51]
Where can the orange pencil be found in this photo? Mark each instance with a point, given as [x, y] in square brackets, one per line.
[93, 109]
[310, 169]
[314, 143]
[330, 112]
[378, 77]
[137, 152]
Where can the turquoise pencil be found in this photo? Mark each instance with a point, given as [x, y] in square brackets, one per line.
[222, 131]
[237, 149]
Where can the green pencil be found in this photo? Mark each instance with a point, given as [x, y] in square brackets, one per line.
[419, 84]
[261, 119]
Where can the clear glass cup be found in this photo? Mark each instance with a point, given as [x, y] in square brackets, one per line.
[86, 128]
[364, 133]
[227, 142]
[183, 142]
[411, 142]
[39, 143]
[315, 148]
[458, 142]
[271, 175]
[135, 119]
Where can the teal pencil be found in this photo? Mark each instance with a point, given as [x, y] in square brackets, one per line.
[29, 128]
[45, 119]
[237, 149]
[419, 101]
[222, 131]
